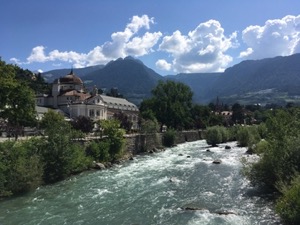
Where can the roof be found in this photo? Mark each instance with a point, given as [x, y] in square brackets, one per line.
[113, 102]
[82, 96]
[70, 78]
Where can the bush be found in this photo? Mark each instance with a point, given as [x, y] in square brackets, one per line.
[114, 137]
[214, 136]
[99, 151]
[247, 136]
[169, 138]
[21, 168]
[288, 205]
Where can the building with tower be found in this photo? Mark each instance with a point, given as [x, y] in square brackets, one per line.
[68, 94]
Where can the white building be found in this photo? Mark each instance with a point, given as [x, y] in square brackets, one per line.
[68, 94]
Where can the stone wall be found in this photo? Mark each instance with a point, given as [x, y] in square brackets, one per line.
[139, 143]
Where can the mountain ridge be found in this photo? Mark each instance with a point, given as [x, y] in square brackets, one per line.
[135, 81]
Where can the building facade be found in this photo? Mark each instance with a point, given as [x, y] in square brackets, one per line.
[69, 95]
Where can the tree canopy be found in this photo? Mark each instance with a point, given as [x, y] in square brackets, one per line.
[171, 104]
[17, 100]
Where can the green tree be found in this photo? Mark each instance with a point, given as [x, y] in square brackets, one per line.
[169, 138]
[213, 136]
[114, 136]
[201, 116]
[125, 123]
[62, 155]
[17, 100]
[171, 104]
[288, 205]
[83, 123]
[238, 114]
[21, 167]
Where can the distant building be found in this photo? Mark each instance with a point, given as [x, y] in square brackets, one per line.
[68, 94]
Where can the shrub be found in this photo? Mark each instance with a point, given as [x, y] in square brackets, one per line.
[247, 136]
[169, 138]
[114, 137]
[20, 168]
[214, 135]
[288, 205]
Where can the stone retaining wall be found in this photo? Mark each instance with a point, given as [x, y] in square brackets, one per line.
[139, 143]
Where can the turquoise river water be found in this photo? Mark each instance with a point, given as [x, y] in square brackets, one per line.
[151, 189]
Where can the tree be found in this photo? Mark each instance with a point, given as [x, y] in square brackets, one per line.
[83, 123]
[115, 137]
[201, 115]
[237, 113]
[125, 123]
[171, 104]
[61, 154]
[17, 100]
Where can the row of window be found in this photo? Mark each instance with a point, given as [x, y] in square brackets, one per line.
[93, 113]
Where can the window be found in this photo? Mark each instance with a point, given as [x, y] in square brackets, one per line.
[92, 113]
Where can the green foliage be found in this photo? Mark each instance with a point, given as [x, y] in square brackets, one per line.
[83, 123]
[17, 100]
[288, 205]
[149, 126]
[125, 123]
[247, 136]
[21, 169]
[114, 136]
[169, 138]
[280, 153]
[213, 135]
[99, 151]
[171, 104]
[61, 155]
[201, 116]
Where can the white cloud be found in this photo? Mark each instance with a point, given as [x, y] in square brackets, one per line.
[122, 44]
[139, 46]
[37, 55]
[163, 65]
[276, 37]
[246, 53]
[202, 50]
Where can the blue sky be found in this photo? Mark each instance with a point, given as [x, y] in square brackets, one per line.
[169, 36]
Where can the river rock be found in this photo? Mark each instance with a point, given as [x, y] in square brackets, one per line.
[191, 208]
[249, 151]
[225, 213]
[180, 154]
[217, 161]
[227, 147]
[99, 166]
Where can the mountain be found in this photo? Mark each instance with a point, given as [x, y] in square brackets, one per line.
[270, 80]
[200, 83]
[51, 75]
[132, 78]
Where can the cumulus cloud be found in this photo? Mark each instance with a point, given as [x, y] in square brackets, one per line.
[163, 65]
[122, 44]
[37, 55]
[201, 50]
[276, 37]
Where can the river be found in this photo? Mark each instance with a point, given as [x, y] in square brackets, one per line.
[151, 189]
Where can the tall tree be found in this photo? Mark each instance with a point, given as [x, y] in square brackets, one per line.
[17, 102]
[171, 103]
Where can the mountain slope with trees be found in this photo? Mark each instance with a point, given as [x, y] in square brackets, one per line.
[132, 78]
[271, 80]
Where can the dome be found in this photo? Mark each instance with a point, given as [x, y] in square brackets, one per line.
[71, 78]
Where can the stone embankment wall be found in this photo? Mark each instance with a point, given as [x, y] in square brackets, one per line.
[139, 143]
